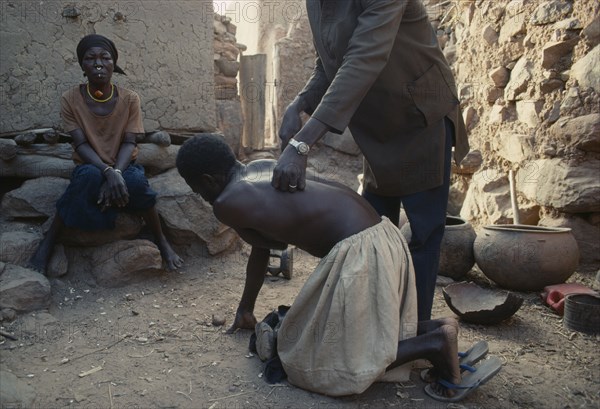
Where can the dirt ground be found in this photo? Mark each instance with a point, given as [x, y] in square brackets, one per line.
[153, 345]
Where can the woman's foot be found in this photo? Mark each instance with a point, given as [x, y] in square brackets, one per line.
[169, 256]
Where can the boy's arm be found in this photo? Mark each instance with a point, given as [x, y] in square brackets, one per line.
[255, 275]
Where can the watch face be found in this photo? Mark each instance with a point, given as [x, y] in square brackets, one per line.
[303, 148]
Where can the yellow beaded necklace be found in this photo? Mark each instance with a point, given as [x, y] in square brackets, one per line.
[112, 91]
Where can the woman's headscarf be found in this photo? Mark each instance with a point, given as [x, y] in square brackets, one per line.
[97, 40]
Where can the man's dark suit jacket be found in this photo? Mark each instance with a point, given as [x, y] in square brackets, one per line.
[380, 71]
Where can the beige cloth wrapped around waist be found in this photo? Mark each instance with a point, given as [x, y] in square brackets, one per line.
[342, 331]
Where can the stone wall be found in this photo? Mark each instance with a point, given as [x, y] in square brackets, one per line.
[529, 81]
[165, 48]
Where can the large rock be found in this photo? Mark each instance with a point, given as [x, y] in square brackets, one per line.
[512, 146]
[591, 32]
[569, 188]
[124, 262]
[15, 393]
[29, 167]
[528, 112]
[17, 247]
[35, 198]
[22, 289]
[469, 165]
[513, 27]
[8, 149]
[552, 52]
[127, 226]
[583, 132]
[157, 159]
[587, 70]
[586, 234]
[520, 76]
[187, 217]
[488, 198]
[551, 11]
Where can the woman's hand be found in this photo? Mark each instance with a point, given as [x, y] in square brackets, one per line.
[114, 191]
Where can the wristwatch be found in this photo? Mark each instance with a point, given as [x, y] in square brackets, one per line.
[301, 147]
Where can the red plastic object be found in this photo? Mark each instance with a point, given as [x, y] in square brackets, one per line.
[554, 295]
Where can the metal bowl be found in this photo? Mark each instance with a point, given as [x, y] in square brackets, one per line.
[479, 305]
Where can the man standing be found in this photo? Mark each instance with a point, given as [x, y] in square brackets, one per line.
[380, 71]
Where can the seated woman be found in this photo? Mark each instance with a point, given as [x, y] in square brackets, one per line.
[103, 120]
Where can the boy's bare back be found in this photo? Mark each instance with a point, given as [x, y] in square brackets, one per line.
[314, 219]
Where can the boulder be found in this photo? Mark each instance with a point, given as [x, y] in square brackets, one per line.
[469, 165]
[513, 27]
[157, 159]
[512, 146]
[550, 12]
[17, 247]
[187, 217]
[591, 32]
[500, 76]
[160, 138]
[123, 262]
[553, 51]
[22, 289]
[528, 112]
[587, 70]
[35, 198]
[489, 34]
[127, 226]
[583, 132]
[15, 393]
[29, 167]
[567, 187]
[8, 149]
[586, 234]
[488, 198]
[519, 79]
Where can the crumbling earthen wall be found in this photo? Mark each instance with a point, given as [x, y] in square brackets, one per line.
[166, 49]
[529, 80]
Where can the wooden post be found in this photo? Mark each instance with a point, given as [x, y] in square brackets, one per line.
[513, 197]
[252, 92]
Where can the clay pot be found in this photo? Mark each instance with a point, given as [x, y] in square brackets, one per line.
[456, 252]
[526, 258]
[479, 305]
[456, 255]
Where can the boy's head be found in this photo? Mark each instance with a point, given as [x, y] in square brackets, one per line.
[203, 161]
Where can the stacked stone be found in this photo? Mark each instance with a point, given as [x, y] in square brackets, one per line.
[227, 66]
[226, 55]
[528, 75]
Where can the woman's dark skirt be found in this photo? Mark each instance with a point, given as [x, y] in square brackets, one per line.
[78, 207]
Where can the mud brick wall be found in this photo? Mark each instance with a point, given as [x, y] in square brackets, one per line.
[166, 48]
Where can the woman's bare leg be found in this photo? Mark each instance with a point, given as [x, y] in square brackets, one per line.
[171, 258]
[39, 260]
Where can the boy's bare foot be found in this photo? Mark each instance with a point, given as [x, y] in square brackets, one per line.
[445, 360]
[171, 258]
[243, 320]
